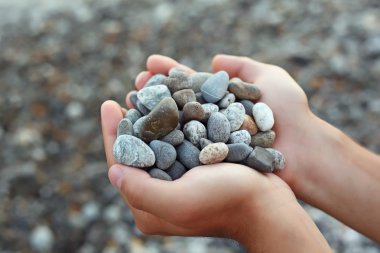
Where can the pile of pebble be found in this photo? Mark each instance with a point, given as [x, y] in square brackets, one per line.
[185, 120]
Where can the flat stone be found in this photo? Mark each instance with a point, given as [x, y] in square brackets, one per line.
[156, 79]
[240, 136]
[213, 153]
[159, 174]
[188, 154]
[237, 152]
[163, 119]
[209, 108]
[279, 159]
[137, 126]
[200, 98]
[235, 114]
[151, 96]
[193, 111]
[133, 115]
[174, 138]
[194, 131]
[263, 116]
[249, 125]
[248, 105]
[141, 107]
[218, 128]
[164, 152]
[215, 87]
[263, 139]
[183, 97]
[261, 160]
[244, 90]
[132, 151]
[176, 171]
[228, 99]
[197, 79]
[203, 142]
[125, 127]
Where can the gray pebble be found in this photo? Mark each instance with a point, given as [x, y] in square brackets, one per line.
[188, 154]
[215, 87]
[159, 174]
[235, 114]
[132, 151]
[200, 98]
[213, 153]
[240, 136]
[133, 115]
[218, 128]
[203, 142]
[193, 111]
[156, 79]
[176, 170]
[164, 152]
[133, 98]
[263, 139]
[175, 137]
[151, 96]
[183, 97]
[176, 84]
[228, 99]
[177, 72]
[194, 131]
[279, 159]
[137, 126]
[260, 159]
[141, 107]
[237, 152]
[248, 105]
[125, 127]
[197, 79]
[263, 116]
[209, 108]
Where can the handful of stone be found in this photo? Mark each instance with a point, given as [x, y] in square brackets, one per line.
[182, 121]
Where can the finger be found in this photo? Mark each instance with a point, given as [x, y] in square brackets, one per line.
[236, 66]
[141, 79]
[111, 114]
[159, 64]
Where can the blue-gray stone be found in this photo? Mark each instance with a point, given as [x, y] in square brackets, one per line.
[203, 142]
[215, 87]
[248, 105]
[125, 127]
[176, 170]
[218, 128]
[188, 154]
[141, 107]
[133, 98]
[133, 115]
[151, 96]
[137, 126]
[156, 79]
[228, 99]
[197, 79]
[260, 159]
[174, 138]
[164, 152]
[159, 174]
[237, 152]
[209, 108]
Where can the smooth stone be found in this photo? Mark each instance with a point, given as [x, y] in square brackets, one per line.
[197, 79]
[263, 139]
[244, 90]
[235, 114]
[200, 98]
[279, 159]
[164, 152]
[203, 142]
[228, 99]
[163, 119]
[193, 111]
[141, 107]
[137, 126]
[209, 108]
[133, 98]
[176, 84]
[238, 152]
[159, 174]
[176, 171]
[213, 153]
[151, 96]
[218, 128]
[174, 138]
[125, 127]
[263, 116]
[177, 72]
[260, 159]
[249, 125]
[240, 136]
[194, 131]
[215, 87]
[248, 105]
[188, 154]
[133, 115]
[132, 151]
[183, 97]
[156, 79]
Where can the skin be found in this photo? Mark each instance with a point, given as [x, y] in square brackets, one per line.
[258, 210]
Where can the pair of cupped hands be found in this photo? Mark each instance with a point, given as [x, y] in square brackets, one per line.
[221, 200]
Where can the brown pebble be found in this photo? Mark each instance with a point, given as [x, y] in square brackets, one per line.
[244, 90]
[183, 97]
[192, 111]
[213, 153]
[249, 125]
[263, 139]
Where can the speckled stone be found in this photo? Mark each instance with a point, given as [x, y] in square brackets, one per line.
[235, 114]
[248, 105]
[137, 126]
[174, 138]
[159, 174]
[151, 96]
[133, 98]
[240, 136]
[141, 107]
[213, 153]
[183, 97]
[193, 111]
[244, 90]
[237, 152]
[164, 152]
[260, 159]
[209, 108]
[156, 79]
[279, 159]
[228, 99]
[194, 131]
[188, 154]
[176, 84]
[133, 115]
[176, 171]
[215, 87]
[125, 127]
[197, 79]
[178, 72]
[218, 128]
[249, 125]
[263, 116]
[200, 98]
[132, 151]
[263, 139]
[203, 142]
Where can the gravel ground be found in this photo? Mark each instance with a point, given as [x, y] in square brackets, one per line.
[60, 59]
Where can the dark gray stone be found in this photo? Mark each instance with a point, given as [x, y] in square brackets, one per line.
[159, 174]
[175, 137]
[197, 79]
[248, 105]
[218, 128]
[188, 154]
[203, 142]
[164, 152]
[238, 152]
[125, 127]
[141, 107]
[176, 170]
[261, 160]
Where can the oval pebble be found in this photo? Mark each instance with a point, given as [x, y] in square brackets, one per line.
[263, 116]
[197, 79]
[159, 174]
[218, 128]
[176, 171]
[209, 108]
[156, 79]
[203, 142]
[235, 114]
[193, 111]
[213, 153]
[228, 99]
[174, 138]
[260, 159]
[133, 115]
[151, 96]
[132, 151]
[249, 125]
[125, 127]
[237, 152]
[240, 136]
[164, 152]
[244, 90]
[215, 87]
[182, 97]
[279, 159]
[263, 139]
[194, 131]
[188, 154]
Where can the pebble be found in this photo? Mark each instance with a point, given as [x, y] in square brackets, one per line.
[176, 170]
[213, 153]
[42, 239]
[159, 174]
[164, 152]
[244, 90]
[279, 159]
[125, 127]
[194, 131]
[163, 119]
[183, 97]
[209, 108]
[133, 98]
[193, 111]
[197, 79]
[188, 154]
[151, 96]
[203, 142]
[174, 138]
[200, 98]
[263, 116]
[249, 125]
[133, 115]
[215, 87]
[141, 107]
[177, 72]
[248, 105]
[137, 126]
[240, 136]
[260, 159]
[263, 139]
[218, 128]
[132, 151]
[175, 84]
[156, 79]
[237, 152]
[235, 114]
[228, 99]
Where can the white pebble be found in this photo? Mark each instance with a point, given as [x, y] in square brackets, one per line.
[263, 116]
[42, 239]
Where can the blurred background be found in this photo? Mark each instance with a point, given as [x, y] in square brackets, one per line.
[60, 59]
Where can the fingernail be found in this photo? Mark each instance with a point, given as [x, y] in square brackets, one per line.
[115, 174]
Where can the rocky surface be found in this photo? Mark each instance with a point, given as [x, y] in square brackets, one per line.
[60, 59]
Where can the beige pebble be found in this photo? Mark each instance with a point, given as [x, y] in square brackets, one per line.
[213, 153]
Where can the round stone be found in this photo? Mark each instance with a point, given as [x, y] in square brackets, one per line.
[218, 128]
[151, 96]
[156, 79]
[193, 111]
[241, 136]
[203, 142]
[159, 174]
[132, 151]
[194, 131]
[176, 171]
[188, 154]
[235, 114]
[244, 90]
[209, 108]
[164, 152]
[183, 97]
[248, 105]
[213, 153]
[197, 79]
[279, 159]
[174, 138]
[125, 127]
[228, 99]
[263, 116]
[133, 115]
[215, 87]
[249, 125]
[260, 159]
[41, 239]
[263, 139]
[237, 152]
